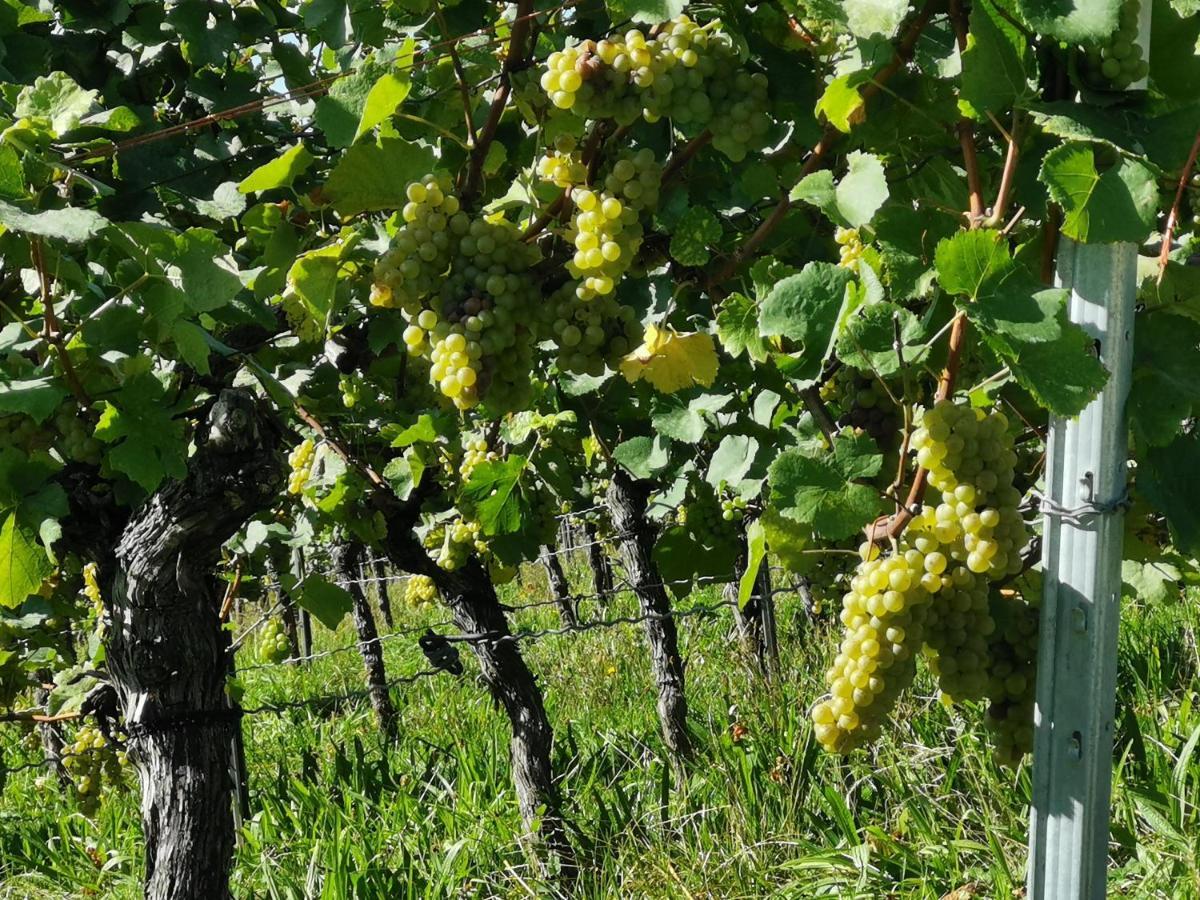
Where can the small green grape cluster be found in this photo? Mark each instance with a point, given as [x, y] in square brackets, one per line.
[1012, 675]
[860, 401]
[563, 166]
[635, 179]
[273, 643]
[588, 334]
[701, 515]
[22, 433]
[420, 591]
[463, 286]
[1117, 63]
[686, 72]
[606, 235]
[301, 322]
[475, 451]
[453, 542]
[353, 388]
[733, 508]
[301, 461]
[933, 592]
[850, 247]
[78, 443]
[91, 759]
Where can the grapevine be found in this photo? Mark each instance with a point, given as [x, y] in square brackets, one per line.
[91, 759]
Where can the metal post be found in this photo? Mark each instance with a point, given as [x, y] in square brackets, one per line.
[1077, 653]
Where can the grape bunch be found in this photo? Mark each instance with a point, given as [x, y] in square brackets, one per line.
[463, 286]
[273, 644]
[453, 542]
[22, 433]
[90, 759]
[1117, 63]
[733, 509]
[563, 166]
[420, 591]
[860, 401]
[606, 235]
[850, 247]
[687, 72]
[701, 515]
[301, 461]
[1012, 675]
[635, 178]
[475, 451]
[588, 334]
[78, 443]
[933, 592]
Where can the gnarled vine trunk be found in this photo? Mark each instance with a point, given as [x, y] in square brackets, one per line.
[560, 586]
[602, 576]
[167, 650]
[379, 571]
[475, 608]
[627, 506]
[347, 558]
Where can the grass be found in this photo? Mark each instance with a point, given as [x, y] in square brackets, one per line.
[761, 813]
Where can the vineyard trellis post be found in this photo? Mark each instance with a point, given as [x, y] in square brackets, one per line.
[1077, 654]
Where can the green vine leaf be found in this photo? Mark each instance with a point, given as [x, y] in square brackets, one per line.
[822, 491]
[1119, 203]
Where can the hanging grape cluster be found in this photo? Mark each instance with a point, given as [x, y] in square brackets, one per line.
[420, 591]
[685, 72]
[860, 401]
[850, 247]
[301, 461]
[463, 286]
[475, 451]
[274, 645]
[588, 335]
[453, 542]
[934, 591]
[1117, 63]
[702, 515]
[91, 759]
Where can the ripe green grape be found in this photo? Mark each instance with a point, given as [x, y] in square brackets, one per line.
[301, 460]
[701, 515]
[453, 542]
[588, 334]
[1012, 675]
[420, 591]
[606, 235]
[1117, 63]
[273, 643]
[91, 759]
[421, 250]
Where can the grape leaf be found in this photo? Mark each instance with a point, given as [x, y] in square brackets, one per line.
[766, 272]
[35, 397]
[650, 12]
[1166, 380]
[867, 18]
[148, 441]
[737, 328]
[805, 308]
[339, 113]
[693, 235]
[58, 98]
[1063, 375]
[279, 172]
[732, 460]
[1174, 62]
[756, 551]
[388, 92]
[494, 490]
[855, 199]
[328, 602]
[867, 339]
[995, 65]
[1118, 204]
[1154, 582]
[1167, 479]
[23, 563]
[374, 176]
[788, 540]
[681, 559]
[671, 361]
[642, 456]
[12, 174]
[685, 422]
[821, 492]
[1070, 21]
[841, 103]
[73, 225]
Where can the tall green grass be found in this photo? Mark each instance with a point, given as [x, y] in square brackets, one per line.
[760, 813]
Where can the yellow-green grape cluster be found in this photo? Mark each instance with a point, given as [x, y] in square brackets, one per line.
[301, 460]
[78, 442]
[606, 235]
[273, 643]
[689, 73]
[22, 433]
[91, 587]
[90, 759]
[635, 179]
[454, 541]
[1118, 63]
[353, 388]
[733, 509]
[1012, 676]
[700, 514]
[884, 617]
[566, 170]
[860, 401]
[475, 451]
[850, 247]
[420, 591]
[970, 459]
[956, 636]
[589, 334]
[474, 328]
[420, 252]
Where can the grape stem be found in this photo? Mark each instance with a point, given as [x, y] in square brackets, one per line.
[459, 75]
[51, 333]
[684, 156]
[514, 59]
[590, 158]
[231, 592]
[1173, 216]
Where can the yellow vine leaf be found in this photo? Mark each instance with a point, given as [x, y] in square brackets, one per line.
[671, 361]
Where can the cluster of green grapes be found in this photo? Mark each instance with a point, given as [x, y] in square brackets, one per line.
[588, 334]
[22, 433]
[273, 643]
[475, 451]
[933, 591]
[1118, 63]
[860, 401]
[563, 166]
[420, 591]
[463, 286]
[353, 388]
[850, 247]
[90, 759]
[453, 542]
[606, 235]
[733, 508]
[301, 461]
[683, 71]
[1012, 675]
[78, 443]
[702, 515]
